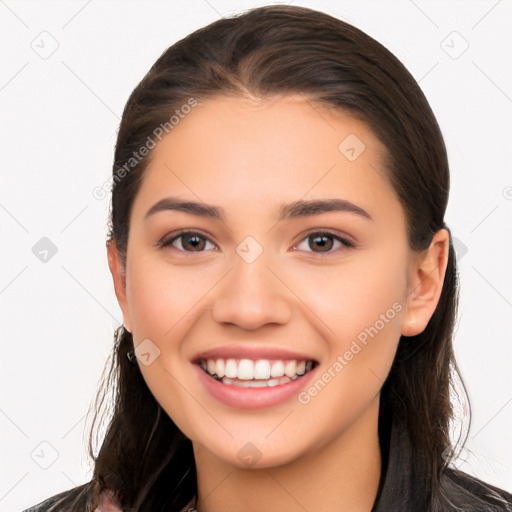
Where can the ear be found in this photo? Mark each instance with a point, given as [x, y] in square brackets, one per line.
[425, 284]
[119, 277]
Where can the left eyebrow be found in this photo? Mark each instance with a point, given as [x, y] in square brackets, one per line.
[317, 207]
[288, 211]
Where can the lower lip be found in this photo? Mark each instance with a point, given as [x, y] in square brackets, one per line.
[252, 398]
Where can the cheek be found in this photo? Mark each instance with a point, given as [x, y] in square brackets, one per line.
[360, 306]
[350, 298]
[162, 303]
[161, 296]
[364, 321]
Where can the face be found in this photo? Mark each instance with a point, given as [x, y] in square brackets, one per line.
[299, 307]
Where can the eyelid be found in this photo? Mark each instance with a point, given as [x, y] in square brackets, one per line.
[326, 231]
[167, 240]
[345, 240]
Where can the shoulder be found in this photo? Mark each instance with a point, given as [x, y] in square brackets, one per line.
[74, 500]
[472, 494]
[403, 485]
[57, 501]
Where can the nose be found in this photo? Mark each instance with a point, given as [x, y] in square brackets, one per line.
[251, 296]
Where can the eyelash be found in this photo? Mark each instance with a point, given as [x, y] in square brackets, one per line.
[168, 241]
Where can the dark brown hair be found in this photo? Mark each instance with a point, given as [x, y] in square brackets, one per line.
[277, 50]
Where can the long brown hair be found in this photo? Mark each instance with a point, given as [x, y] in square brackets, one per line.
[144, 458]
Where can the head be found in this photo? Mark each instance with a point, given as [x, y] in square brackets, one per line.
[278, 114]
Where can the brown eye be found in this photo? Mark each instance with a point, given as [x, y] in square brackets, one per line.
[192, 243]
[188, 241]
[323, 242]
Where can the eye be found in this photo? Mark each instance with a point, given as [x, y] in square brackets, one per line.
[187, 241]
[324, 241]
[193, 241]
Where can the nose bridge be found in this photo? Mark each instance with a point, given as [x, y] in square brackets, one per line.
[250, 295]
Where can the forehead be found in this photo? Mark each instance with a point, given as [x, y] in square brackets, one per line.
[251, 153]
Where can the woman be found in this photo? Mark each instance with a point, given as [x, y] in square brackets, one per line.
[255, 369]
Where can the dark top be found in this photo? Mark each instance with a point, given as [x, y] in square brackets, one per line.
[396, 490]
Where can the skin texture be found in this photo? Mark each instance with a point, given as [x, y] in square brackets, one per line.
[249, 156]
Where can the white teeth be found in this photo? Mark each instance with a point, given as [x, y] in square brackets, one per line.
[262, 369]
[219, 368]
[242, 383]
[256, 383]
[247, 370]
[290, 368]
[277, 369]
[211, 366]
[231, 369]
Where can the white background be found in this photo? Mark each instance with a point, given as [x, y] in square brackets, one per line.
[59, 117]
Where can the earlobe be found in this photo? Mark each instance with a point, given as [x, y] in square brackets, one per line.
[426, 278]
[119, 279]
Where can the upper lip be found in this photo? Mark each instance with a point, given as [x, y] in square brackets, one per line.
[244, 351]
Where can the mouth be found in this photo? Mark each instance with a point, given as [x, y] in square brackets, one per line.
[255, 373]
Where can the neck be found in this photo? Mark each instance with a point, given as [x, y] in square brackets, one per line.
[342, 475]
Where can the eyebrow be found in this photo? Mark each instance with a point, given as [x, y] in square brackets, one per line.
[296, 209]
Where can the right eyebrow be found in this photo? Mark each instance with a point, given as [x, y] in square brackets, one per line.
[192, 207]
[288, 211]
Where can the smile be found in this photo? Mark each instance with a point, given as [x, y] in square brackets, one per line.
[249, 373]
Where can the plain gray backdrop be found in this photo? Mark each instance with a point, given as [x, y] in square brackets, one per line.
[67, 71]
